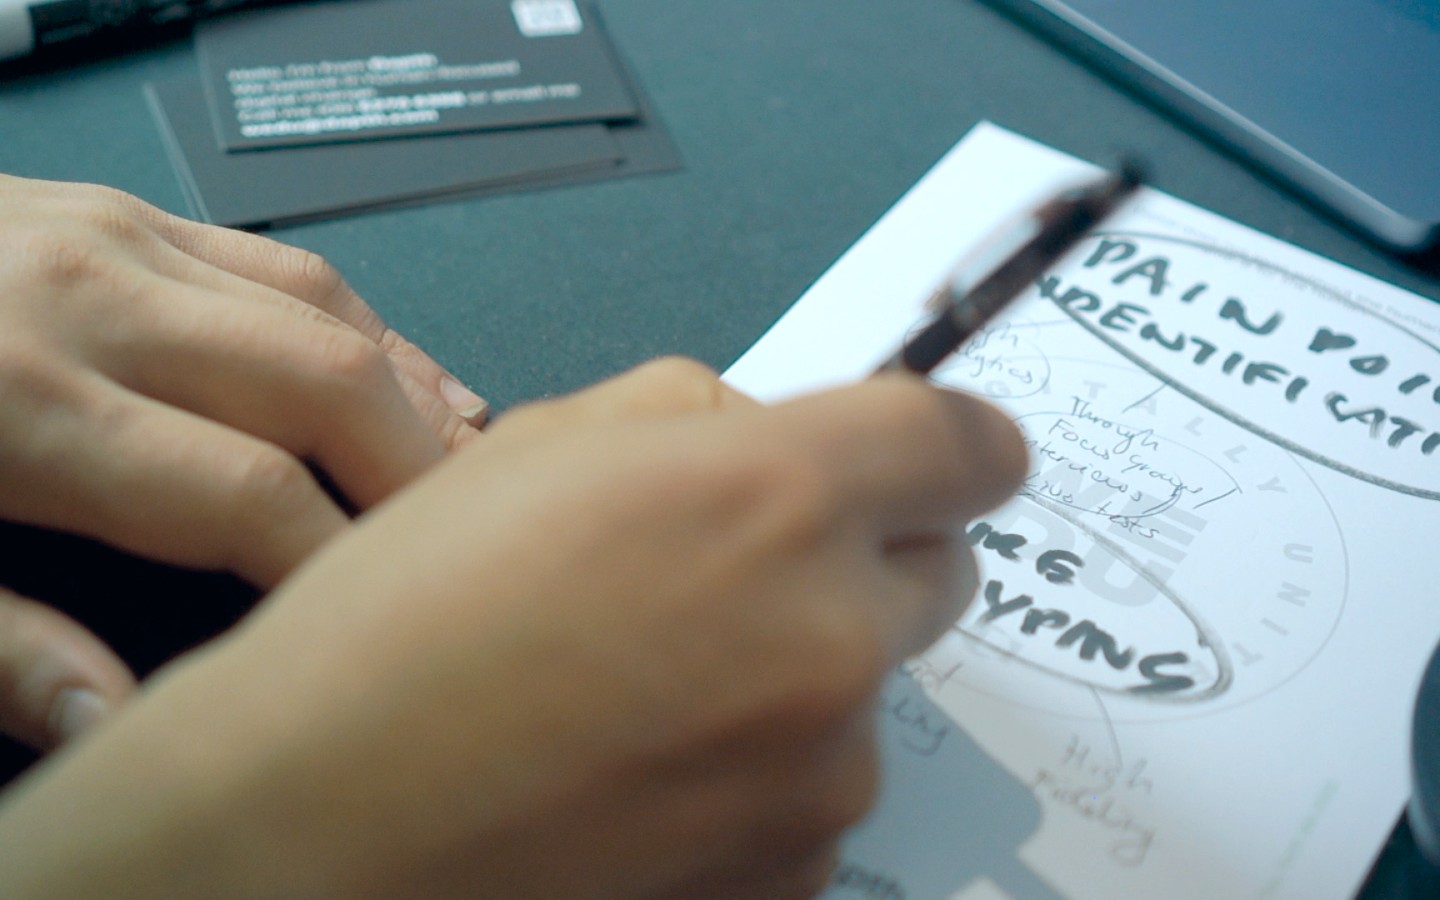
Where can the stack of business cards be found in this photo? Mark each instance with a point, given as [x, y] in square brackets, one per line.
[318, 109]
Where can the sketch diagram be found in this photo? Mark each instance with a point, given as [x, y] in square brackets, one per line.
[1101, 573]
[1187, 671]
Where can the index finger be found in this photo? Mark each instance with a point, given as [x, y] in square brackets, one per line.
[894, 467]
[907, 455]
[659, 389]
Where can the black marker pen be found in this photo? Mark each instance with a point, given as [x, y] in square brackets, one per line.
[1057, 225]
[30, 25]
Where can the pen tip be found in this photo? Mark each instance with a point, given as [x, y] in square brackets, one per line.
[1131, 172]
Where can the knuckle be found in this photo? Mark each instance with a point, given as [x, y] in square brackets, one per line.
[28, 629]
[835, 662]
[998, 460]
[455, 432]
[845, 658]
[680, 382]
[815, 877]
[32, 379]
[798, 500]
[61, 256]
[103, 194]
[1010, 461]
[866, 655]
[101, 214]
[12, 616]
[80, 245]
[677, 369]
[352, 362]
[989, 446]
[804, 876]
[269, 484]
[392, 342]
[910, 404]
[532, 416]
[845, 797]
[311, 276]
[964, 587]
[848, 802]
[112, 213]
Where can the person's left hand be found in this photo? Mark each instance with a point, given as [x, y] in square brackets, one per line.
[172, 389]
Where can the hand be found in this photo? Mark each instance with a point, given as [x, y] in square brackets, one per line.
[163, 386]
[628, 646]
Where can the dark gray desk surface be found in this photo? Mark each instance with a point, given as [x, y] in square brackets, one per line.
[799, 122]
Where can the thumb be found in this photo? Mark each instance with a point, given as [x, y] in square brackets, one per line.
[56, 679]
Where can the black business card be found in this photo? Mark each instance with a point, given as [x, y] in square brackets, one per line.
[281, 187]
[350, 70]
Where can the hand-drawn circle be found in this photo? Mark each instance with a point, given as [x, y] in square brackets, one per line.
[1307, 289]
[1002, 361]
[1107, 467]
[1249, 642]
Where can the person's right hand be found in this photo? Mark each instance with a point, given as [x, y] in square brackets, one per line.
[627, 646]
[166, 388]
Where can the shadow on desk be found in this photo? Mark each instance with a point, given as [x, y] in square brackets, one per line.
[147, 612]
[1401, 873]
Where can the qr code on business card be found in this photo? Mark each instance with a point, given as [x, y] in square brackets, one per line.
[544, 18]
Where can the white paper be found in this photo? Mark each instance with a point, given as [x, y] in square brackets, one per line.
[1192, 667]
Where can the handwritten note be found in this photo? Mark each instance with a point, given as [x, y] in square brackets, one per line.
[1190, 668]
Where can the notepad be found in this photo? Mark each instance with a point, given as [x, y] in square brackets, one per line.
[1190, 669]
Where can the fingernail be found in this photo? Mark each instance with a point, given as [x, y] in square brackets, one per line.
[467, 404]
[75, 712]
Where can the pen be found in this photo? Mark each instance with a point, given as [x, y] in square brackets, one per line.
[29, 25]
[1054, 227]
